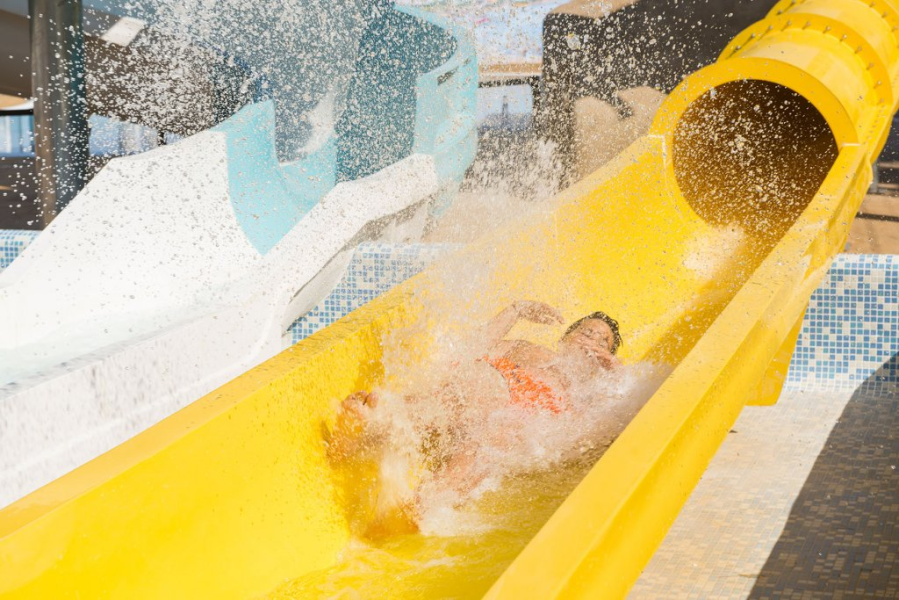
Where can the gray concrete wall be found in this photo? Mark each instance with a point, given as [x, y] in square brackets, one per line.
[597, 49]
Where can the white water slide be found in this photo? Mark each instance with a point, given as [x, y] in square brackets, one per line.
[177, 269]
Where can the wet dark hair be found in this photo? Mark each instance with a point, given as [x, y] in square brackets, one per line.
[601, 316]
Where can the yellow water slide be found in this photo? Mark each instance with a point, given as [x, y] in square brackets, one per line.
[705, 239]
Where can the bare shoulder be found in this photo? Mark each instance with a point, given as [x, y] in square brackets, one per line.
[522, 351]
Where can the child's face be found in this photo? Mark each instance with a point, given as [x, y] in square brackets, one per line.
[593, 338]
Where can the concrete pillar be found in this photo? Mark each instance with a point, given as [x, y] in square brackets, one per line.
[60, 109]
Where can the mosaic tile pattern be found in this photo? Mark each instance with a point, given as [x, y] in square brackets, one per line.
[802, 499]
[12, 242]
[723, 536]
[374, 269]
[851, 327]
[800, 502]
[841, 539]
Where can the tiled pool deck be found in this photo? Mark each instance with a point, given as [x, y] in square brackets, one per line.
[802, 499]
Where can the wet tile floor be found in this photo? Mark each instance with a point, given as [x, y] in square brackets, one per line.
[801, 501]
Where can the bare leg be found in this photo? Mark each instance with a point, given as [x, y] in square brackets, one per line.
[460, 471]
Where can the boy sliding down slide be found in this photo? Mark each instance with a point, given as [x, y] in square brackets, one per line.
[513, 375]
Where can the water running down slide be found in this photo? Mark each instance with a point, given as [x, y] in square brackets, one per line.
[705, 239]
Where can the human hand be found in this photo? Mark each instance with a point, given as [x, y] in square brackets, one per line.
[601, 354]
[538, 312]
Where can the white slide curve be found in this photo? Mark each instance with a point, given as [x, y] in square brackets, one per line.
[145, 294]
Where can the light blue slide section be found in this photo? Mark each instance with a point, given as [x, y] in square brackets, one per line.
[414, 91]
[402, 81]
[269, 199]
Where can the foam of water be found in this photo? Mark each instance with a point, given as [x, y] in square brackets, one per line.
[461, 439]
[527, 464]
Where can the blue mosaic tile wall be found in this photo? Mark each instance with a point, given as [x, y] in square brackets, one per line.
[851, 327]
[374, 269]
[12, 242]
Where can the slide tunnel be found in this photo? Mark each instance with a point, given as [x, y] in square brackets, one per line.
[705, 238]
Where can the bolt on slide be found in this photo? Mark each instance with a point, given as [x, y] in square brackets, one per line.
[705, 239]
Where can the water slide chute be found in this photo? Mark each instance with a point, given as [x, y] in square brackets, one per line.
[232, 496]
[179, 268]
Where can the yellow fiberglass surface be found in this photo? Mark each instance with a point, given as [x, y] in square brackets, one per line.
[705, 239]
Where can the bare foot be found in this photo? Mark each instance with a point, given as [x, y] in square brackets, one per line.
[346, 438]
[398, 520]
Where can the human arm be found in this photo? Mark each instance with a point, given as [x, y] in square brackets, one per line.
[606, 359]
[537, 312]
[462, 471]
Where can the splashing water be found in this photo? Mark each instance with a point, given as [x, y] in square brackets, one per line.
[484, 475]
[710, 252]
[503, 441]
